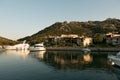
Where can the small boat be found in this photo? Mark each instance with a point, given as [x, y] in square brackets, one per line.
[86, 50]
[37, 47]
[115, 59]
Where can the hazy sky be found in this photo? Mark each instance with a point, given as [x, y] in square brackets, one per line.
[20, 18]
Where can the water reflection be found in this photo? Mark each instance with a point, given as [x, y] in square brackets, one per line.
[72, 60]
[67, 60]
[56, 65]
[87, 58]
[21, 53]
[38, 54]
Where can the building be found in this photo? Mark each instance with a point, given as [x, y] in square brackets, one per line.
[69, 36]
[70, 39]
[113, 38]
[87, 41]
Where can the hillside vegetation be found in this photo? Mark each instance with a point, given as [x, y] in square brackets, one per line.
[5, 41]
[89, 28]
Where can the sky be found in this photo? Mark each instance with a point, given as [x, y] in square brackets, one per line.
[21, 18]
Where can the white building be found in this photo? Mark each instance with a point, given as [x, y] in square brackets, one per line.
[87, 41]
[69, 36]
[113, 38]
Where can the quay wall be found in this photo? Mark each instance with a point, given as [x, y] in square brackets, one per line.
[80, 49]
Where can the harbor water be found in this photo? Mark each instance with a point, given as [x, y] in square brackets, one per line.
[56, 65]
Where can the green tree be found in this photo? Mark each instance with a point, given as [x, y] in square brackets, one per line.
[98, 38]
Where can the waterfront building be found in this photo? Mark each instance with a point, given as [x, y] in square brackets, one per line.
[87, 41]
[113, 38]
[70, 38]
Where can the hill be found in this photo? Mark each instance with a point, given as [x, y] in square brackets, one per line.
[89, 28]
[5, 41]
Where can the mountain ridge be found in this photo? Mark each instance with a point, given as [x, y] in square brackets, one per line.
[88, 28]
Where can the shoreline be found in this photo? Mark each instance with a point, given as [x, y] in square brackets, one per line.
[80, 49]
[93, 49]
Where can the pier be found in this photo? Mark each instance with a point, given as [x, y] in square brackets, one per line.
[80, 48]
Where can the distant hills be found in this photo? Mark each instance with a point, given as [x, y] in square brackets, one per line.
[5, 41]
[89, 28]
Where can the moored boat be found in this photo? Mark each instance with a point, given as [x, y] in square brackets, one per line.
[22, 46]
[86, 50]
[115, 59]
[37, 47]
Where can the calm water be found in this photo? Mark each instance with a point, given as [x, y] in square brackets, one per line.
[56, 65]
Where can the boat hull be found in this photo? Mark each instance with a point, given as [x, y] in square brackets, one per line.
[37, 48]
[114, 60]
[17, 47]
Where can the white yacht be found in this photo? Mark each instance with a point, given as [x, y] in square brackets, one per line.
[37, 47]
[22, 46]
[115, 59]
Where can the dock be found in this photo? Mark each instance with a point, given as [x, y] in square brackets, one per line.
[80, 49]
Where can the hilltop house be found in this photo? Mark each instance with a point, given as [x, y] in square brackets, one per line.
[113, 38]
[71, 38]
